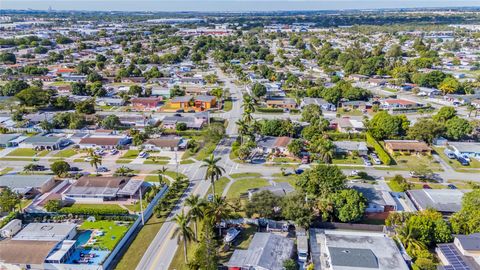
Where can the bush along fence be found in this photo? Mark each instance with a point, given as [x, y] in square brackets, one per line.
[382, 154]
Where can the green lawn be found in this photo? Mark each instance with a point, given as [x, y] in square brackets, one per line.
[241, 186]
[186, 161]
[154, 178]
[131, 154]
[416, 185]
[411, 162]
[24, 203]
[243, 175]
[113, 233]
[123, 161]
[291, 179]
[220, 185]
[66, 153]
[6, 170]
[206, 151]
[158, 162]
[347, 160]
[23, 152]
[96, 206]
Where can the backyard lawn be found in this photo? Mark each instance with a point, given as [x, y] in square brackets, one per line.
[97, 206]
[241, 186]
[112, 233]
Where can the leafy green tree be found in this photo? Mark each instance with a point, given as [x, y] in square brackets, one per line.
[295, 147]
[11, 88]
[449, 86]
[259, 90]
[135, 90]
[177, 91]
[63, 103]
[211, 78]
[8, 200]
[86, 106]
[290, 264]
[111, 122]
[349, 205]
[311, 112]
[322, 149]
[458, 128]
[467, 220]
[181, 126]
[60, 167]
[444, 114]
[294, 207]
[94, 77]
[263, 204]
[321, 180]
[53, 205]
[386, 126]
[7, 58]
[33, 96]
[79, 88]
[426, 130]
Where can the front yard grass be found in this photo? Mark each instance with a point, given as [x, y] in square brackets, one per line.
[474, 163]
[220, 185]
[66, 153]
[96, 206]
[347, 159]
[123, 161]
[227, 105]
[244, 175]
[411, 162]
[23, 152]
[112, 233]
[206, 151]
[157, 162]
[131, 154]
[241, 186]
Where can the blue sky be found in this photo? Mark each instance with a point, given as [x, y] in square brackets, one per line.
[227, 5]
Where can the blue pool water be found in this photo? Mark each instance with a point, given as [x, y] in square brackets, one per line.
[83, 238]
[97, 259]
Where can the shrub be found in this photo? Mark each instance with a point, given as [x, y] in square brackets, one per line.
[8, 218]
[269, 110]
[382, 154]
[92, 211]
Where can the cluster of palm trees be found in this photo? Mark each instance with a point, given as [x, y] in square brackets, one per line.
[247, 126]
[201, 210]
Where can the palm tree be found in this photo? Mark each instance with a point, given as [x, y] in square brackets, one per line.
[242, 129]
[408, 237]
[196, 205]
[247, 116]
[161, 172]
[183, 232]
[95, 159]
[248, 103]
[326, 150]
[219, 209]
[213, 170]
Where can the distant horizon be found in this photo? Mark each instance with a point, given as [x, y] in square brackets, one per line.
[228, 6]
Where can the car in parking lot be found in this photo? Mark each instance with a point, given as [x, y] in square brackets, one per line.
[452, 186]
[463, 161]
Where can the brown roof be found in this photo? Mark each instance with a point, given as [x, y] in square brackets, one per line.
[25, 251]
[407, 145]
[282, 142]
[101, 181]
[100, 140]
[171, 142]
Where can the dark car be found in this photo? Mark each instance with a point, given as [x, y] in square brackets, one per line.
[463, 161]
[75, 169]
[299, 171]
[452, 186]
[180, 111]
[426, 187]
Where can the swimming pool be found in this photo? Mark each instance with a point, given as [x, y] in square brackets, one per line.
[83, 238]
[95, 257]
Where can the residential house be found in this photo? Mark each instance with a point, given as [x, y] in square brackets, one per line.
[10, 140]
[95, 189]
[267, 251]
[428, 92]
[283, 103]
[346, 125]
[407, 147]
[204, 102]
[463, 253]
[346, 249]
[392, 104]
[108, 101]
[161, 91]
[348, 147]
[273, 145]
[39, 142]
[377, 82]
[445, 201]
[379, 200]
[27, 185]
[165, 144]
[181, 102]
[133, 80]
[470, 149]
[192, 122]
[146, 103]
[104, 141]
[74, 78]
[325, 105]
[358, 77]
[356, 105]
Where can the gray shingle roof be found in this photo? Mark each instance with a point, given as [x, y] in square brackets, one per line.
[353, 257]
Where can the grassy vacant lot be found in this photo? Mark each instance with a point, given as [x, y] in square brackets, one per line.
[26, 152]
[243, 175]
[411, 162]
[66, 153]
[186, 161]
[242, 185]
[112, 232]
[474, 164]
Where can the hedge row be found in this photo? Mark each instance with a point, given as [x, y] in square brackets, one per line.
[336, 136]
[92, 211]
[382, 154]
[269, 110]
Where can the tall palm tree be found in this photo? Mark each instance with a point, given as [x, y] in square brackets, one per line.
[326, 150]
[95, 159]
[183, 231]
[213, 170]
[161, 172]
[196, 205]
[248, 103]
[247, 116]
[219, 209]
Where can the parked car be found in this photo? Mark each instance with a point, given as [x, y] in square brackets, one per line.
[467, 158]
[452, 186]
[366, 161]
[426, 187]
[450, 154]
[299, 171]
[463, 161]
[114, 152]
[75, 169]
[103, 169]
[143, 154]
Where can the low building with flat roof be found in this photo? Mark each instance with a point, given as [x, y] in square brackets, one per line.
[27, 185]
[354, 250]
[470, 149]
[266, 251]
[47, 232]
[446, 201]
[407, 147]
[42, 142]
